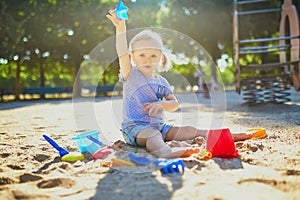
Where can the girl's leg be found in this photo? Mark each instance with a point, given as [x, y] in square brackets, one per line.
[184, 133]
[154, 143]
[189, 133]
[241, 136]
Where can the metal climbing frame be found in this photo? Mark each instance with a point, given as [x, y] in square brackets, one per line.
[267, 81]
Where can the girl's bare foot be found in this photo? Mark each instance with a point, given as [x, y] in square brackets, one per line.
[190, 151]
[177, 152]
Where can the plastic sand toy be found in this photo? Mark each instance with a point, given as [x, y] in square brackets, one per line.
[105, 164]
[121, 11]
[220, 143]
[170, 165]
[115, 162]
[72, 157]
[102, 153]
[95, 140]
[60, 150]
[85, 144]
[63, 153]
[259, 133]
[204, 155]
[140, 160]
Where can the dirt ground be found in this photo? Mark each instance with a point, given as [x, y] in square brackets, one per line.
[31, 169]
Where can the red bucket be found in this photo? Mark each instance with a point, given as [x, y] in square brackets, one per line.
[220, 143]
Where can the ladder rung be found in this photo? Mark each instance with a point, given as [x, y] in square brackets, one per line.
[245, 80]
[258, 11]
[278, 64]
[260, 51]
[250, 69]
[248, 2]
[268, 39]
[265, 47]
[270, 64]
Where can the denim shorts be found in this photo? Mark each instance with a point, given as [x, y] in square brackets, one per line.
[130, 132]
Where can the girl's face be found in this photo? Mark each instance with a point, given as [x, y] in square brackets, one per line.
[146, 54]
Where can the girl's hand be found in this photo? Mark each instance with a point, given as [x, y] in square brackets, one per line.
[119, 24]
[152, 108]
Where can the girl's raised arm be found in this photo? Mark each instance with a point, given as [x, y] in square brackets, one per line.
[121, 43]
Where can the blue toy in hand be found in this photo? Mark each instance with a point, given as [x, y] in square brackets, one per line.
[121, 11]
[170, 165]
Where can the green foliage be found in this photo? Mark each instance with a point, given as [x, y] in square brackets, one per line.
[228, 75]
[49, 39]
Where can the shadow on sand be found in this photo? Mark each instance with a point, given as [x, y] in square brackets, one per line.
[127, 185]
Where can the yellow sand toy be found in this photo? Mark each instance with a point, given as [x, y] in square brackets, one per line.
[259, 133]
[72, 157]
[203, 155]
[115, 162]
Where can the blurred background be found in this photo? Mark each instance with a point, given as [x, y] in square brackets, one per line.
[44, 42]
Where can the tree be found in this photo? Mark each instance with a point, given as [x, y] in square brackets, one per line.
[43, 42]
[13, 43]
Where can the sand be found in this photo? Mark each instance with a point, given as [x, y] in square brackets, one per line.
[31, 169]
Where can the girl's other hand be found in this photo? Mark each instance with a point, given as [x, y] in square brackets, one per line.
[152, 108]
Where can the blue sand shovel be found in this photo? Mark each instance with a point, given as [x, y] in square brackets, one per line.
[141, 160]
[121, 11]
[63, 153]
[61, 150]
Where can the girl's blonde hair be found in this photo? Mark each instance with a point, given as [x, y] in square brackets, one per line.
[150, 35]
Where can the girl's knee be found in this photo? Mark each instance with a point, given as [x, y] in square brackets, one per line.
[147, 134]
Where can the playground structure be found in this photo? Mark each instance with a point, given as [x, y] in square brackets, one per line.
[268, 81]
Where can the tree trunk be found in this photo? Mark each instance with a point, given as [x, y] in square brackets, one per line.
[77, 82]
[42, 76]
[17, 81]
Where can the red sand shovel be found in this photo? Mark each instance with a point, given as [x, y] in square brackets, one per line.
[220, 143]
